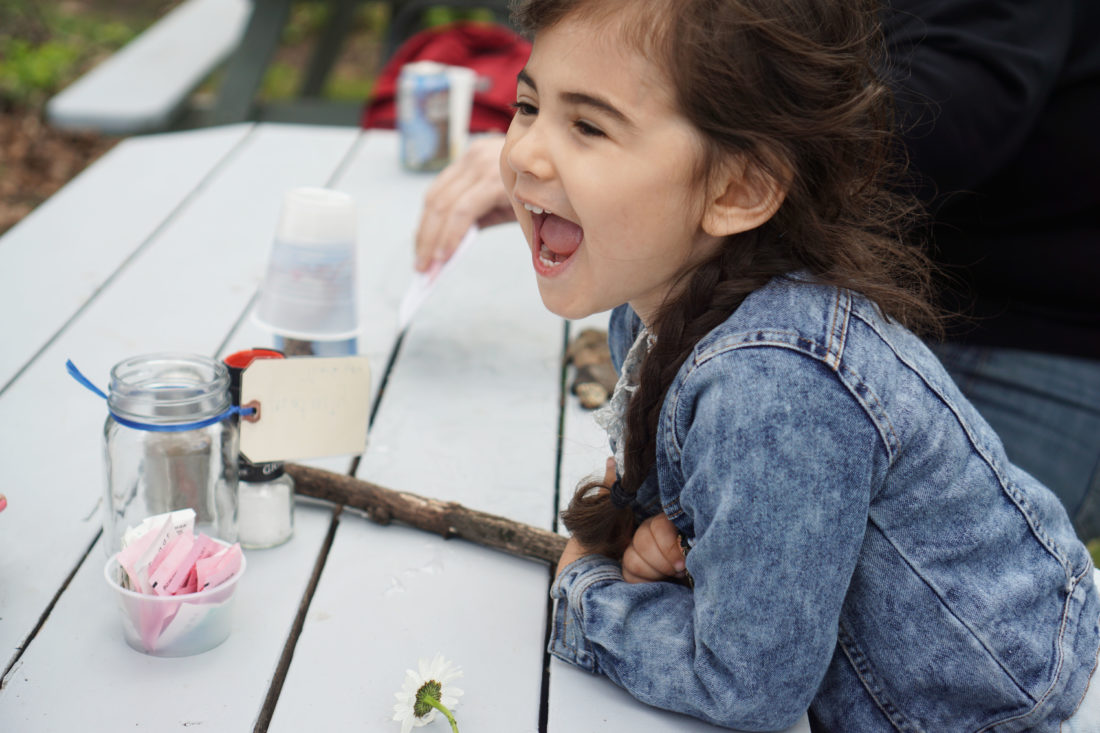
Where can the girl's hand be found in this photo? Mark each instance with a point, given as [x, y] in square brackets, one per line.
[573, 551]
[469, 191]
[654, 553]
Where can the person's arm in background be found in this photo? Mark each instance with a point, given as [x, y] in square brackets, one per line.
[468, 191]
[969, 78]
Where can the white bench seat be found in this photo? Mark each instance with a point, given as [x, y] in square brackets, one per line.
[143, 86]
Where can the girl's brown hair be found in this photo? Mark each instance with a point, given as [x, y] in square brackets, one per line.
[789, 87]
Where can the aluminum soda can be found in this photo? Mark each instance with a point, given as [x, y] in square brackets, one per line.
[434, 102]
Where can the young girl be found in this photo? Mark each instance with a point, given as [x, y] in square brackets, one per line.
[854, 541]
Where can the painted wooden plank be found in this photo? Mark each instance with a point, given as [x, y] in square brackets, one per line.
[391, 595]
[584, 443]
[471, 413]
[579, 700]
[142, 86]
[57, 258]
[81, 675]
[183, 292]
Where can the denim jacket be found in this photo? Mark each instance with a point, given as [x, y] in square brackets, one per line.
[859, 543]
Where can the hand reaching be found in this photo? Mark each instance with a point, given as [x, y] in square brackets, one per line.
[466, 192]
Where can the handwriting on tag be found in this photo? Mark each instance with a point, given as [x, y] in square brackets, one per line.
[309, 407]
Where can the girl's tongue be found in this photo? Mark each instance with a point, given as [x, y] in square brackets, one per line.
[559, 236]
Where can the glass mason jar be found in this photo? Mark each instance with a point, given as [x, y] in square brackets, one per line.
[170, 442]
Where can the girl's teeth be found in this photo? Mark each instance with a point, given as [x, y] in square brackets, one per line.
[547, 257]
[536, 209]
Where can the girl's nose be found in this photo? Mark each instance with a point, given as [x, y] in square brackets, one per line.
[527, 152]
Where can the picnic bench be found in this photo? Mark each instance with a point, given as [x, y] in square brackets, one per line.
[145, 85]
[148, 85]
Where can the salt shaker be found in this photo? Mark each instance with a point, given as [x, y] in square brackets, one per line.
[266, 490]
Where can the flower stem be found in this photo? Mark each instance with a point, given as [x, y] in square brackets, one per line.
[440, 707]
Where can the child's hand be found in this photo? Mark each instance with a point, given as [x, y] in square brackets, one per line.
[573, 551]
[654, 553]
[469, 191]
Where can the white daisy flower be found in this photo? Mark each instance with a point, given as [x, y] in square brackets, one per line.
[425, 691]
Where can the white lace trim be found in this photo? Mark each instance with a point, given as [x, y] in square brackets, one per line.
[612, 416]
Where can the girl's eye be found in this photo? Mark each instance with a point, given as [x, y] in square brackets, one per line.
[524, 108]
[588, 129]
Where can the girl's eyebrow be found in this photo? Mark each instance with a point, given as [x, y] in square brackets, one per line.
[524, 78]
[580, 98]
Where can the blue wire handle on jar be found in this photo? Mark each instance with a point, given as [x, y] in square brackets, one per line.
[234, 410]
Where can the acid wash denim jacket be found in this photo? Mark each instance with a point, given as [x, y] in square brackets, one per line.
[859, 544]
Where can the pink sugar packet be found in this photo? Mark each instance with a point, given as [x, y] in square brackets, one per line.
[169, 562]
[141, 545]
[190, 583]
[162, 556]
[153, 619]
[134, 559]
[184, 579]
[215, 570]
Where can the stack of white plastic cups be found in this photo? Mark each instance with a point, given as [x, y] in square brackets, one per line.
[308, 299]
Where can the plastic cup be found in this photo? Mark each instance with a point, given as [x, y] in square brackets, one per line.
[309, 290]
[174, 626]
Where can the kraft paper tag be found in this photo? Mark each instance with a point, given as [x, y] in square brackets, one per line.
[309, 407]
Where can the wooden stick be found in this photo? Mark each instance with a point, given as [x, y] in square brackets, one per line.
[447, 519]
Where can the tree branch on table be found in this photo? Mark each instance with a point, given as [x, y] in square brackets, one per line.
[447, 519]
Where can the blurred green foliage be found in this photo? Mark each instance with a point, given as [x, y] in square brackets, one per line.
[441, 15]
[283, 78]
[43, 48]
[45, 45]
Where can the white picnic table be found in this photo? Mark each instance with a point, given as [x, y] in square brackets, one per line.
[160, 246]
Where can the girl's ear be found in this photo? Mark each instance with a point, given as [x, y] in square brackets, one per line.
[741, 198]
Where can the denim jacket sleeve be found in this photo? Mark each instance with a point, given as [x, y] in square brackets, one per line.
[775, 476]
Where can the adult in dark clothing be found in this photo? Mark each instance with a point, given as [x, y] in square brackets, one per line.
[999, 101]
[1000, 106]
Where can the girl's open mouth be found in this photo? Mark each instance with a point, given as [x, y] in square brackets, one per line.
[555, 238]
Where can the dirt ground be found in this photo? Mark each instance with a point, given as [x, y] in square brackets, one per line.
[36, 160]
